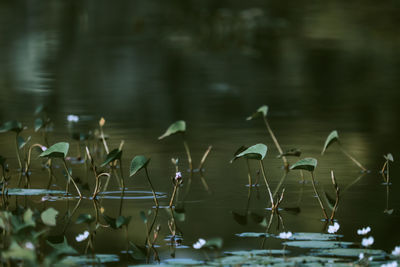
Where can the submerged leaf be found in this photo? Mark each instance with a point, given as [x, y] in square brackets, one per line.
[58, 150]
[257, 151]
[13, 126]
[332, 137]
[308, 164]
[113, 155]
[176, 127]
[49, 216]
[137, 163]
[263, 110]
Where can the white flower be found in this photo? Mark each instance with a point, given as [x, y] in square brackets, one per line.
[366, 242]
[72, 118]
[284, 235]
[364, 231]
[199, 244]
[82, 236]
[390, 264]
[396, 251]
[362, 256]
[178, 175]
[29, 245]
[333, 228]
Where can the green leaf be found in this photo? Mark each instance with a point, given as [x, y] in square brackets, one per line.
[294, 152]
[33, 192]
[389, 157]
[22, 142]
[213, 243]
[317, 244]
[111, 221]
[332, 137]
[49, 217]
[88, 260]
[13, 126]
[17, 252]
[28, 218]
[183, 262]
[308, 164]
[263, 110]
[62, 248]
[58, 150]
[176, 127]
[251, 253]
[113, 155]
[351, 252]
[137, 163]
[38, 124]
[85, 218]
[121, 221]
[251, 234]
[257, 151]
[314, 236]
[143, 216]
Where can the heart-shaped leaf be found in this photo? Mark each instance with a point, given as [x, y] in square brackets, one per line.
[62, 248]
[332, 137]
[122, 220]
[308, 164]
[176, 127]
[138, 163]
[257, 151]
[113, 155]
[58, 150]
[263, 110]
[389, 157]
[13, 126]
[49, 216]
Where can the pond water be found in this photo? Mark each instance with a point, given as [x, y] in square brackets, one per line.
[144, 65]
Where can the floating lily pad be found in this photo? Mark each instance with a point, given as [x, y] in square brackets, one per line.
[257, 151]
[138, 163]
[351, 252]
[263, 110]
[11, 126]
[317, 244]
[176, 127]
[89, 259]
[182, 261]
[252, 234]
[58, 150]
[251, 253]
[131, 195]
[313, 236]
[308, 164]
[112, 156]
[332, 137]
[33, 192]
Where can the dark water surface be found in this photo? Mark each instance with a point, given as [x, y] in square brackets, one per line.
[145, 64]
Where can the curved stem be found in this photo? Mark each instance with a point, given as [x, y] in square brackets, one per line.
[266, 183]
[152, 188]
[173, 194]
[285, 162]
[248, 173]
[17, 151]
[28, 163]
[203, 159]
[72, 179]
[187, 153]
[353, 159]
[316, 193]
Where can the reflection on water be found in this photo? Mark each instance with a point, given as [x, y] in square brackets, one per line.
[144, 65]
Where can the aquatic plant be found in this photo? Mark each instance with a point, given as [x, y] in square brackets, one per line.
[263, 111]
[60, 151]
[388, 157]
[309, 164]
[16, 127]
[140, 162]
[367, 241]
[237, 152]
[364, 231]
[257, 152]
[334, 137]
[97, 175]
[333, 228]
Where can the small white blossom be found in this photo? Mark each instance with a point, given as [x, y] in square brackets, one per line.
[178, 175]
[366, 242]
[333, 228]
[362, 256]
[29, 245]
[390, 264]
[284, 235]
[72, 118]
[396, 251]
[199, 244]
[364, 231]
[82, 237]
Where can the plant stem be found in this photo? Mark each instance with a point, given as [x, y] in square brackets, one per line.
[103, 139]
[248, 173]
[152, 188]
[337, 196]
[188, 153]
[173, 194]
[387, 172]
[203, 159]
[316, 193]
[72, 179]
[266, 183]
[353, 159]
[17, 150]
[285, 162]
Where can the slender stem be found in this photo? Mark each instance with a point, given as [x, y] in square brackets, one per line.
[387, 172]
[384, 166]
[17, 151]
[187, 153]
[248, 173]
[72, 179]
[280, 184]
[266, 183]
[285, 162]
[353, 159]
[152, 188]
[173, 194]
[316, 193]
[203, 181]
[28, 163]
[337, 196]
[203, 159]
[104, 140]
